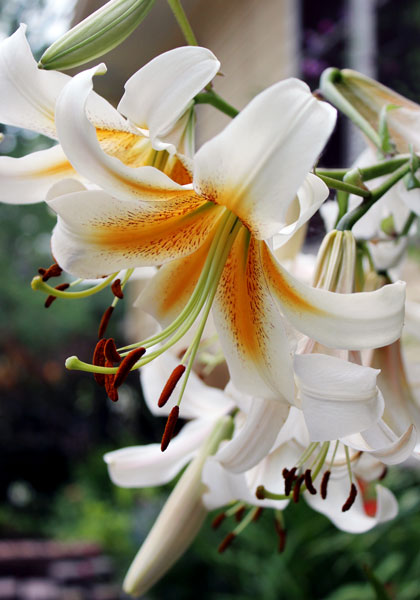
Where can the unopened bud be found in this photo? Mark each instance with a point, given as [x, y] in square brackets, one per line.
[96, 35]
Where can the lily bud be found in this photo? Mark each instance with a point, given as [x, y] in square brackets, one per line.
[96, 35]
[376, 104]
[179, 521]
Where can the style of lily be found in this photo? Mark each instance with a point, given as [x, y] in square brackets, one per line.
[158, 102]
[215, 236]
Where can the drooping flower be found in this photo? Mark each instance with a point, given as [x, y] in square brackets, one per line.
[157, 102]
[215, 237]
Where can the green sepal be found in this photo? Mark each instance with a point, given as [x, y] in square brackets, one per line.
[96, 35]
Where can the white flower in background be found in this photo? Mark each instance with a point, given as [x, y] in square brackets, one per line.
[157, 102]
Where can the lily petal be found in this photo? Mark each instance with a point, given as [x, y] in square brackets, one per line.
[338, 397]
[257, 163]
[28, 94]
[144, 466]
[351, 321]
[380, 441]
[161, 91]
[251, 330]
[80, 143]
[27, 180]
[199, 400]
[97, 234]
[354, 520]
[257, 436]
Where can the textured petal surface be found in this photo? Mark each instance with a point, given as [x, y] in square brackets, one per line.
[144, 466]
[338, 397]
[27, 180]
[255, 166]
[161, 91]
[97, 234]
[351, 321]
[380, 441]
[251, 330]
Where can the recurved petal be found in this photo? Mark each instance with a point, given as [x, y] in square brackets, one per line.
[199, 400]
[97, 234]
[80, 143]
[250, 327]
[309, 198]
[27, 94]
[27, 180]
[144, 466]
[338, 397]
[351, 321]
[256, 438]
[354, 520]
[161, 91]
[380, 441]
[256, 165]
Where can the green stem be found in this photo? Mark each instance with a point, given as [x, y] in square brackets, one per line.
[407, 225]
[329, 79]
[336, 184]
[210, 97]
[384, 167]
[351, 218]
[183, 22]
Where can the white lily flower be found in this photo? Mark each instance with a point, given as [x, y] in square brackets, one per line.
[211, 233]
[157, 102]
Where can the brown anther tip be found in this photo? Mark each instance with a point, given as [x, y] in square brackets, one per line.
[260, 492]
[104, 321]
[53, 271]
[281, 535]
[308, 482]
[257, 514]
[383, 474]
[99, 361]
[285, 473]
[174, 377]
[288, 482]
[350, 500]
[218, 520]
[324, 484]
[226, 542]
[169, 428]
[296, 488]
[110, 351]
[116, 289]
[127, 363]
[50, 299]
[239, 514]
[109, 383]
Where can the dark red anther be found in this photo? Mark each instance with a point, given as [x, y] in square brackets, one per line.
[169, 428]
[50, 299]
[239, 514]
[127, 363]
[109, 383]
[296, 488]
[53, 271]
[350, 500]
[257, 514]
[281, 535]
[324, 484]
[218, 520]
[174, 377]
[104, 321]
[116, 289]
[285, 473]
[308, 482]
[99, 361]
[226, 542]
[111, 352]
[288, 482]
[260, 492]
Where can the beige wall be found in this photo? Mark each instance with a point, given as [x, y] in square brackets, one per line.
[257, 42]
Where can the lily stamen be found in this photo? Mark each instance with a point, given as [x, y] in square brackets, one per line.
[296, 488]
[226, 542]
[308, 482]
[50, 299]
[104, 321]
[127, 364]
[169, 428]
[53, 271]
[116, 289]
[218, 520]
[170, 385]
[350, 500]
[99, 360]
[110, 351]
[324, 484]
